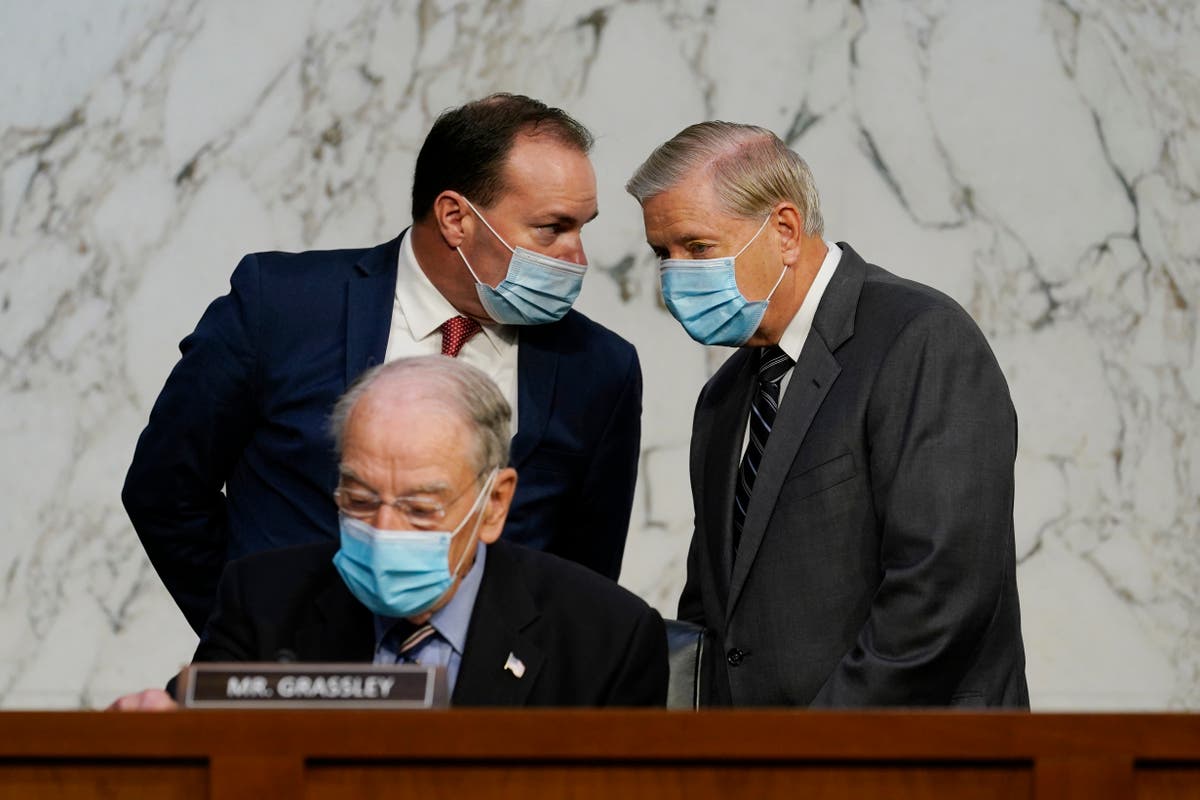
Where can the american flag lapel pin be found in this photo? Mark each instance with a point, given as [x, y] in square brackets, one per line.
[515, 665]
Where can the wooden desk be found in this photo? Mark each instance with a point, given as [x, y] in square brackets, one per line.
[625, 755]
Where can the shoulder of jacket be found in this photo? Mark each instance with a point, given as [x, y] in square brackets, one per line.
[559, 584]
[273, 261]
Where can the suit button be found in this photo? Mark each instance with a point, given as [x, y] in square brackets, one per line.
[734, 656]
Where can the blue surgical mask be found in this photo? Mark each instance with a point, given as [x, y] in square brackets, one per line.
[703, 295]
[401, 573]
[537, 288]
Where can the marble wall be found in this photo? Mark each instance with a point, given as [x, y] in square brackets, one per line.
[1039, 160]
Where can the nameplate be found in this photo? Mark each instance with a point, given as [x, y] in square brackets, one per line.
[275, 685]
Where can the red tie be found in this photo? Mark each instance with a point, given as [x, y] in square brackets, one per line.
[455, 332]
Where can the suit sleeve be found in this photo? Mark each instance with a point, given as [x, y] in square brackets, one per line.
[641, 678]
[691, 604]
[197, 430]
[228, 635]
[691, 601]
[942, 436]
[606, 499]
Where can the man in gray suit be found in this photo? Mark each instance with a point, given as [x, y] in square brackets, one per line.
[852, 461]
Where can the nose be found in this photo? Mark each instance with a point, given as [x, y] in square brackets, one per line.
[388, 518]
[573, 251]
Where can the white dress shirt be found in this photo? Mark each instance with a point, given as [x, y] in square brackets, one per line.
[796, 332]
[418, 311]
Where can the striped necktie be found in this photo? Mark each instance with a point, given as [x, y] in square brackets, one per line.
[413, 641]
[772, 366]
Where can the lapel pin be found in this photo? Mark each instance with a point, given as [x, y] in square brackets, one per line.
[515, 665]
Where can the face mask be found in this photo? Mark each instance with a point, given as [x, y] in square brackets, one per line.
[401, 573]
[703, 295]
[537, 289]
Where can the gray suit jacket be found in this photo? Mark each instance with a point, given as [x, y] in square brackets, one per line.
[876, 565]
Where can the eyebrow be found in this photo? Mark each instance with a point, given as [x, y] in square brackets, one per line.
[571, 220]
[684, 239]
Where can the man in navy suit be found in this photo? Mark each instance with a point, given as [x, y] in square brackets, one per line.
[419, 575]
[487, 273]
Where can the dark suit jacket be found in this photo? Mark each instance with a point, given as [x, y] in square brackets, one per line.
[584, 640]
[246, 409]
[876, 564]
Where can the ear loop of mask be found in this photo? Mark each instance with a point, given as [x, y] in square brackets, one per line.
[755, 236]
[487, 490]
[782, 272]
[482, 219]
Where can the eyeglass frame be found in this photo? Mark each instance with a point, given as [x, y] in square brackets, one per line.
[397, 502]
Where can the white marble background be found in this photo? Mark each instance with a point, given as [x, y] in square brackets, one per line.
[1037, 159]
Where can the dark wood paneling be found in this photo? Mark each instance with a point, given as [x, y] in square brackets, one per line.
[74, 780]
[622, 755]
[670, 782]
[1167, 781]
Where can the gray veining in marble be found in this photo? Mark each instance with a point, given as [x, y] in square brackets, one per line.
[1039, 160]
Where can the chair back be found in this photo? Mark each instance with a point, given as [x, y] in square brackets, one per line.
[686, 644]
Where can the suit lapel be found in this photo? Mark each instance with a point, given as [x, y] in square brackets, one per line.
[342, 629]
[369, 299]
[537, 371]
[724, 426]
[811, 379]
[503, 610]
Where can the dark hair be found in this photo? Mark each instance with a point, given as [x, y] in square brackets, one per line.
[467, 146]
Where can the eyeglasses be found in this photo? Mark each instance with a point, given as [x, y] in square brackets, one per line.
[422, 512]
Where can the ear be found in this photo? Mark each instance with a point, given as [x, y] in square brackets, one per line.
[451, 215]
[789, 223]
[495, 512]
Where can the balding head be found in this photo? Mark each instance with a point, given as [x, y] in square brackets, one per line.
[407, 390]
[749, 168]
[422, 444]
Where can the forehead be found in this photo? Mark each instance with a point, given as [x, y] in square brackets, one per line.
[398, 442]
[689, 209]
[542, 171]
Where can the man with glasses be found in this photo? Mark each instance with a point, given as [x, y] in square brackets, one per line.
[235, 458]
[420, 573]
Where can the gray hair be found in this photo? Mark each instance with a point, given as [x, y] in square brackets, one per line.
[467, 389]
[751, 170]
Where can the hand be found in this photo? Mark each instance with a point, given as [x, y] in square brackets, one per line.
[147, 700]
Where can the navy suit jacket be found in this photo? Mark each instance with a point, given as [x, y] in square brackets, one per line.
[584, 640]
[876, 565]
[246, 410]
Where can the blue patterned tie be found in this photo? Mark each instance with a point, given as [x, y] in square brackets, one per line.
[410, 638]
[772, 366]
[415, 640]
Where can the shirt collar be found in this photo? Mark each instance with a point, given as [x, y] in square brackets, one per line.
[423, 306]
[451, 620]
[796, 333]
